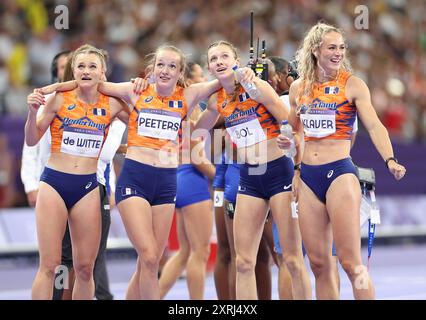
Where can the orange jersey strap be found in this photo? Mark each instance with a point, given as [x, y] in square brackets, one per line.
[247, 121]
[155, 122]
[328, 114]
[78, 128]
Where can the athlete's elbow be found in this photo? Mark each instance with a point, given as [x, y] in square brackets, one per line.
[30, 141]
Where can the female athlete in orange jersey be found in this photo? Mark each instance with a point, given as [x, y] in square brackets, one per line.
[79, 122]
[146, 188]
[265, 175]
[194, 216]
[326, 98]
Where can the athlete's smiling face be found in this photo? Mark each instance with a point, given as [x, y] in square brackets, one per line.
[88, 69]
[167, 68]
[221, 59]
[332, 51]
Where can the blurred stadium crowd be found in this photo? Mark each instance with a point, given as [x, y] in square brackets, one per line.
[389, 55]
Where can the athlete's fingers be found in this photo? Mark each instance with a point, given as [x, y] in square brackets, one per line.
[248, 75]
[139, 85]
[283, 142]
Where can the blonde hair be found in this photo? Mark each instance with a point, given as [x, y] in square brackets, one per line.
[152, 57]
[306, 60]
[236, 57]
[89, 49]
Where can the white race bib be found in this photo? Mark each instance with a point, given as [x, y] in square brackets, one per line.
[82, 142]
[245, 131]
[319, 123]
[161, 124]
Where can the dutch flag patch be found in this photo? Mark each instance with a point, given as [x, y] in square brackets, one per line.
[176, 104]
[99, 112]
[331, 90]
[243, 97]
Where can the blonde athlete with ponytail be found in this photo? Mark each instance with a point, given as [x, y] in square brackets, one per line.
[324, 103]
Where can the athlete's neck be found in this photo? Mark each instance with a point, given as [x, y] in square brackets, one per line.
[164, 92]
[88, 95]
[323, 75]
[228, 84]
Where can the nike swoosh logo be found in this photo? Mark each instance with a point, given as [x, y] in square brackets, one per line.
[287, 187]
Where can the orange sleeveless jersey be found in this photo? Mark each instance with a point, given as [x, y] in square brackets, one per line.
[329, 115]
[156, 122]
[243, 109]
[80, 129]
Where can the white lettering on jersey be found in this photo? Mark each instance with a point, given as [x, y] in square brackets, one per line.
[157, 123]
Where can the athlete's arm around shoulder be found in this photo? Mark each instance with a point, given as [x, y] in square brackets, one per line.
[270, 99]
[36, 126]
[119, 109]
[122, 90]
[197, 92]
[209, 116]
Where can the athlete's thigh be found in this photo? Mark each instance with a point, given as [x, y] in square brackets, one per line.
[51, 221]
[198, 219]
[162, 218]
[249, 219]
[85, 226]
[314, 224]
[222, 238]
[137, 219]
[288, 227]
[345, 219]
[181, 232]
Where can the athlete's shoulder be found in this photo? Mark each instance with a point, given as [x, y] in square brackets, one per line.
[356, 84]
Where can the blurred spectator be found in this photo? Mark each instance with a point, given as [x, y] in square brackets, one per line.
[6, 174]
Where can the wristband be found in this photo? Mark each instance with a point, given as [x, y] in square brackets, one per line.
[390, 159]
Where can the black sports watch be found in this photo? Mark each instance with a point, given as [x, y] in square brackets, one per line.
[390, 159]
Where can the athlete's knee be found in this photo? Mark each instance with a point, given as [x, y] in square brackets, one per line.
[245, 264]
[201, 252]
[149, 259]
[84, 270]
[293, 263]
[352, 268]
[50, 266]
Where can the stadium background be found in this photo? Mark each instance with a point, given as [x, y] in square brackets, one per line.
[389, 55]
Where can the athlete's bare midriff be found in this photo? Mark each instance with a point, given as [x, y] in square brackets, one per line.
[262, 152]
[72, 164]
[153, 157]
[324, 151]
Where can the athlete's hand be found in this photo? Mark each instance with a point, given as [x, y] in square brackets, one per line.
[397, 170]
[35, 100]
[139, 85]
[32, 197]
[248, 75]
[283, 142]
